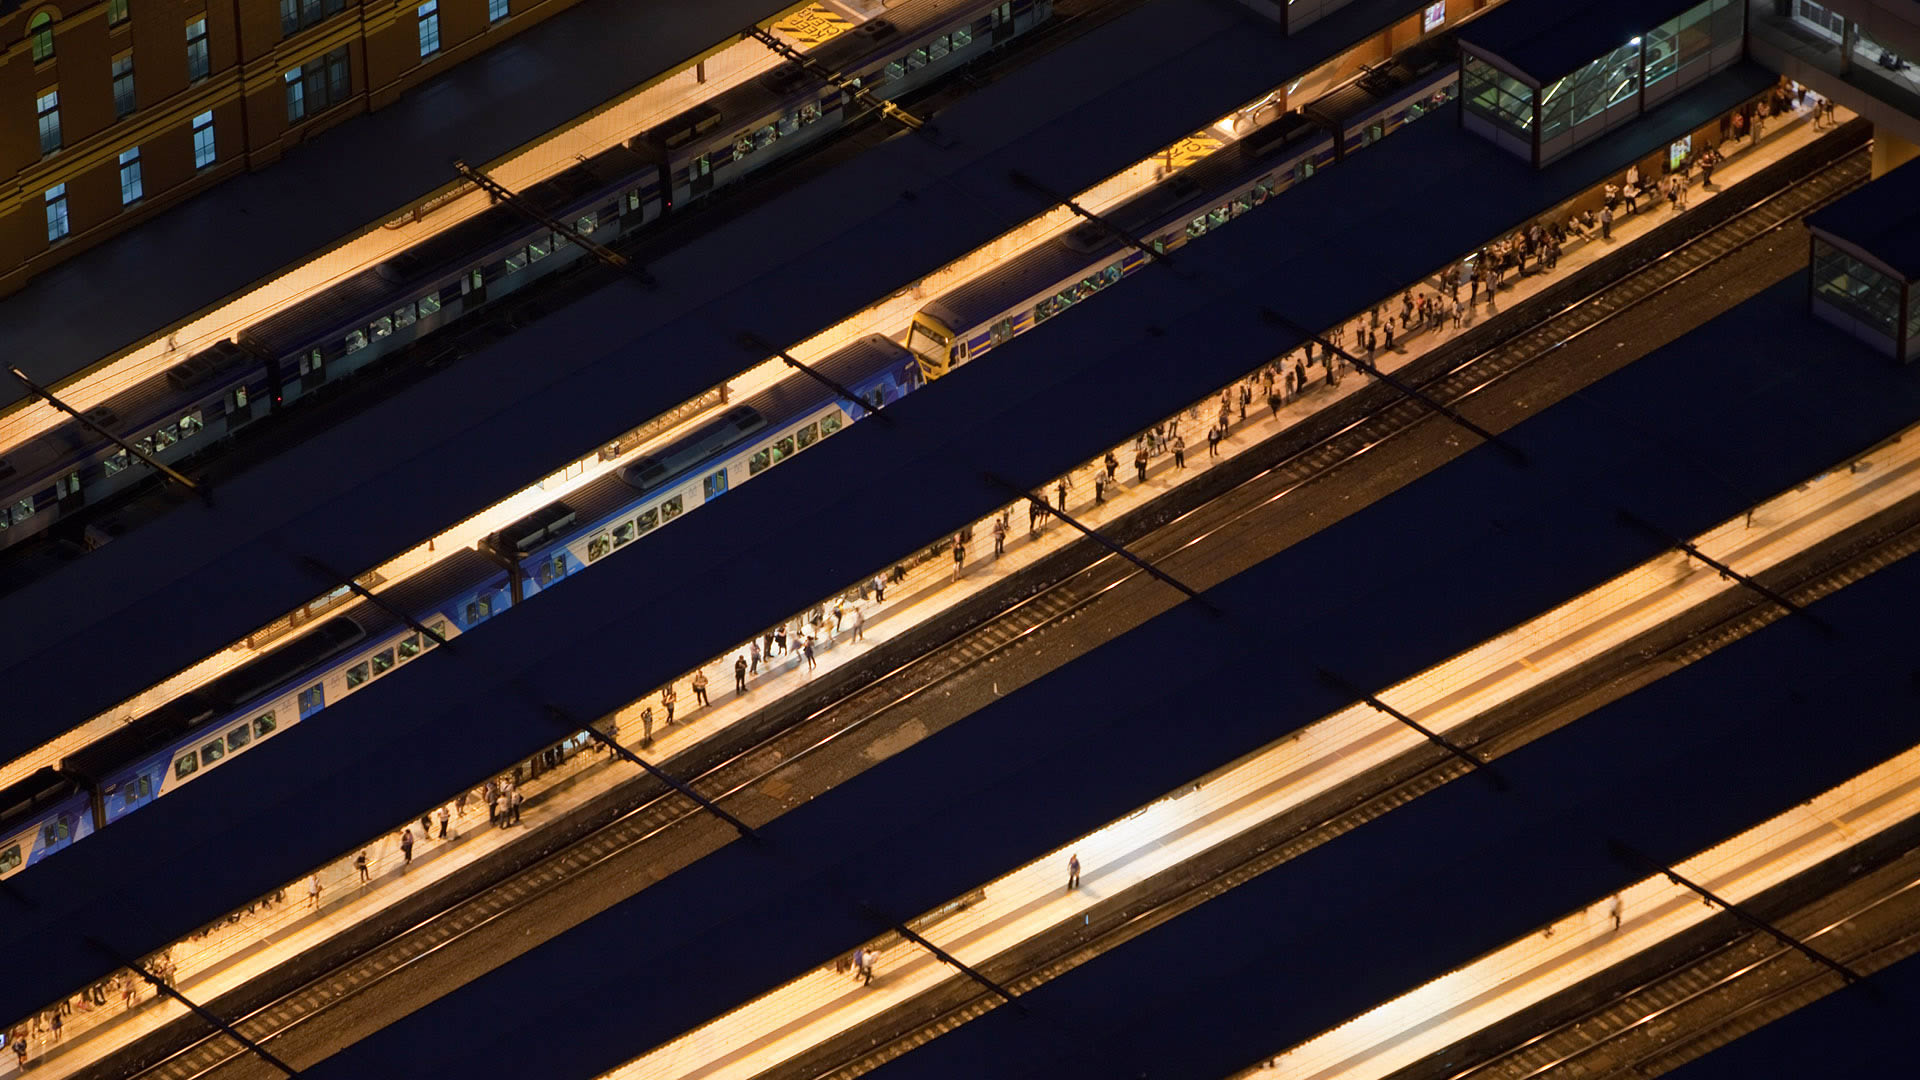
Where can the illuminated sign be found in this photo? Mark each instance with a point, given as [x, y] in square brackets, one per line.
[1435, 15]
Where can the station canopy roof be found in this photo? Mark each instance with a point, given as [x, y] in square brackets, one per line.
[1541, 40]
[1881, 221]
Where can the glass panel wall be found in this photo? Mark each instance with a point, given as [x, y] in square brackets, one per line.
[1857, 290]
[1503, 103]
[1602, 94]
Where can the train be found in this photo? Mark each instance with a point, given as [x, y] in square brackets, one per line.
[356, 642]
[360, 641]
[445, 280]
[972, 319]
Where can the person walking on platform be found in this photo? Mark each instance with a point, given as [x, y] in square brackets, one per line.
[669, 698]
[879, 589]
[1179, 452]
[1113, 466]
[700, 686]
[766, 647]
[1140, 463]
[426, 825]
[740, 674]
[780, 638]
[1273, 403]
[959, 557]
[806, 650]
[493, 802]
[999, 537]
[753, 654]
[406, 847]
[313, 892]
[646, 740]
[513, 805]
[1213, 441]
[1099, 488]
[1606, 223]
[1033, 520]
[444, 817]
[1613, 910]
[863, 966]
[860, 614]
[360, 864]
[1073, 871]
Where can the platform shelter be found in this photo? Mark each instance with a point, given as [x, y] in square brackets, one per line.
[1541, 77]
[1864, 273]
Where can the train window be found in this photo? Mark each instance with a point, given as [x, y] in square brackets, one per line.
[356, 340]
[238, 398]
[64, 486]
[600, 544]
[586, 224]
[186, 766]
[703, 165]
[380, 327]
[764, 137]
[896, 70]
[916, 59]
[263, 725]
[190, 425]
[54, 832]
[809, 112]
[669, 509]
[782, 449]
[477, 610]
[117, 462]
[144, 445]
[358, 673]
[645, 521]
[439, 627]
[239, 737]
[1218, 216]
[409, 646]
[714, 486]
[937, 48]
[633, 204]
[22, 510]
[1303, 170]
[622, 533]
[382, 661]
[146, 785]
[743, 144]
[788, 124]
[999, 332]
[429, 304]
[310, 362]
[552, 570]
[540, 248]
[1197, 227]
[403, 316]
[213, 752]
[1242, 204]
[312, 700]
[10, 859]
[759, 462]
[517, 260]
[963, 37]
[808, 435]
[166, 436]
[831, 423]
[474, 280]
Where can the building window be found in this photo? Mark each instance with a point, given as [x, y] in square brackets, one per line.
[198, 62]
[123, 86]
[47, 108]
[130, 176]
[297, 15]
[429, 14]
[496, 10]
[117, 12]
[40, 33]
[318, 85]
[57, 224]
[203, 148]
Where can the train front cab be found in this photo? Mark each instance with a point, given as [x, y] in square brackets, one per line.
[933, 345]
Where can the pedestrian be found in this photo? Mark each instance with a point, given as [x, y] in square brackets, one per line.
[668, 699]
[766, 646]
[863, 966]
[20, 1047]
[1099, 489]
[446, 815]
[1073, 871]
[1246, 398]
[406, 847]
[999, 537]
[493, 802]
[1273, 404]
[360, 864]
[780, 638]
[860, 619]
[1213, 441]
[1033, 520]
[806, 649]
[1708, 159]
[1606, 223]
[753, 657]
[1179, 452]
[1113, 465]
[313, 892]
[740, 674]
[426, 826]
[700, 686]
[879, 589]
[1389, 337]
[1140, 464]
[1613, 909]
[515, 804]
[959, 557]
[646, 739]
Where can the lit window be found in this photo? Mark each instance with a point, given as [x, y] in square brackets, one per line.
[198, 61]
[123, 103]
[40, 33]
[203, 146]
[57, 224]
[429, 15]
[47, 108]
[117, 12]
[496, 10]
[296, 96]
[130, 190]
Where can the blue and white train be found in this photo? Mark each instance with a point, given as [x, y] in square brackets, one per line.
[356, 642]
[447, 281]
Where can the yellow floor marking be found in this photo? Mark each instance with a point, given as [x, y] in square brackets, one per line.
[813, 25]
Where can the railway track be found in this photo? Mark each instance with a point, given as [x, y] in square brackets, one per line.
[1076, 579]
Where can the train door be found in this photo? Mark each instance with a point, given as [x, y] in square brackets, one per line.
[1003, 24]
[700, 175]
[67, 490]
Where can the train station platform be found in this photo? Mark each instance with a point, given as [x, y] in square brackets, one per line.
[350, 178]
[569, 649]
[347, 499]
